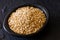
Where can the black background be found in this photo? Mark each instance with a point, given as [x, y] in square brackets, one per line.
[52, 30]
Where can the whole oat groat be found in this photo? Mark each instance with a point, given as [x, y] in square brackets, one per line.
[26, 20]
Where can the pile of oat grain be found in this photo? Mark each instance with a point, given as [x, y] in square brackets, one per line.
[26, 20]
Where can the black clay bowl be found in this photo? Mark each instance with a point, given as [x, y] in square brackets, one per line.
[8, 30]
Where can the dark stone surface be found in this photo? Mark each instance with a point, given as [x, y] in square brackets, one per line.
[52, 30]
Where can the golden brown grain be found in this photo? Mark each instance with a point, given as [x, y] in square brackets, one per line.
[26, 20]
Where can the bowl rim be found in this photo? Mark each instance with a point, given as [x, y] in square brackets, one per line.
[15, 34]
